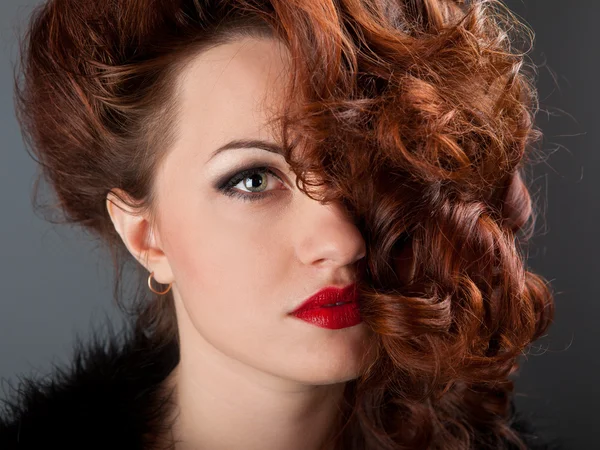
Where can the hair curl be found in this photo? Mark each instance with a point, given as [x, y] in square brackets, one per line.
[417, 115]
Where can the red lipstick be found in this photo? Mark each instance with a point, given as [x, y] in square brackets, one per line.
[332, 308]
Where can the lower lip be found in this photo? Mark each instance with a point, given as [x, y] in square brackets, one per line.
[332, 317]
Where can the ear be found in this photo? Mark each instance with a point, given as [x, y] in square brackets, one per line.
[141, 239]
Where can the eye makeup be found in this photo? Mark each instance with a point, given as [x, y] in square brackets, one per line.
[227, 184]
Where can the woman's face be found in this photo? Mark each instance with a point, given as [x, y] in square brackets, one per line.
[242, 257]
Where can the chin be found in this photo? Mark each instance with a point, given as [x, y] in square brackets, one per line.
[325, 378]
[328, 369]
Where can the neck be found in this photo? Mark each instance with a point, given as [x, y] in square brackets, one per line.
[219, 402]
[222, 404]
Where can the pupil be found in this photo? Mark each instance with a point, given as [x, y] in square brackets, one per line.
[256, 181]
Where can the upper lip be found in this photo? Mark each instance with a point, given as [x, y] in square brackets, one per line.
[327, 295]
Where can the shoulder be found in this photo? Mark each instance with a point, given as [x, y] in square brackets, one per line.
[104, 399]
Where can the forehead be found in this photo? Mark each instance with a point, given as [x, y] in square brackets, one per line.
[230, 91]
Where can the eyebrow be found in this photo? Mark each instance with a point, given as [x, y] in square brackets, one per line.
[250, 143]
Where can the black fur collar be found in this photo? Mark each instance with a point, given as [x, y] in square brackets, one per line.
[107, 399]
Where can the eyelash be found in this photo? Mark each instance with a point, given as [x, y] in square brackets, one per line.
[228, 189]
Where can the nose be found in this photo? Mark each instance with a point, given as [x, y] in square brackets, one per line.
[325, 235]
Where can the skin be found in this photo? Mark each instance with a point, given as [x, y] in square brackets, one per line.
[250, 376]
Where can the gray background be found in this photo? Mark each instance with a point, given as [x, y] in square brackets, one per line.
[56, 283]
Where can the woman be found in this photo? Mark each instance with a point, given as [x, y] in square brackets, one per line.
[365, 290]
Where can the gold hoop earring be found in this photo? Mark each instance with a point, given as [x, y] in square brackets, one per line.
[155, 291]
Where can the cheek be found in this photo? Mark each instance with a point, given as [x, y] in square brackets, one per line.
[235, 274]
[226, 262]
[231, 274]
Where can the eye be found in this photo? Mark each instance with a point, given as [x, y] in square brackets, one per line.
[254, 179]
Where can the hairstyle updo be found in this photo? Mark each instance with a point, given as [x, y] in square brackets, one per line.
[416, 115]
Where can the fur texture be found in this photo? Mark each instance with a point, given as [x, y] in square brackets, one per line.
[108, 398]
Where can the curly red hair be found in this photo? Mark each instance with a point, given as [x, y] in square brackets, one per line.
[417, 115]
